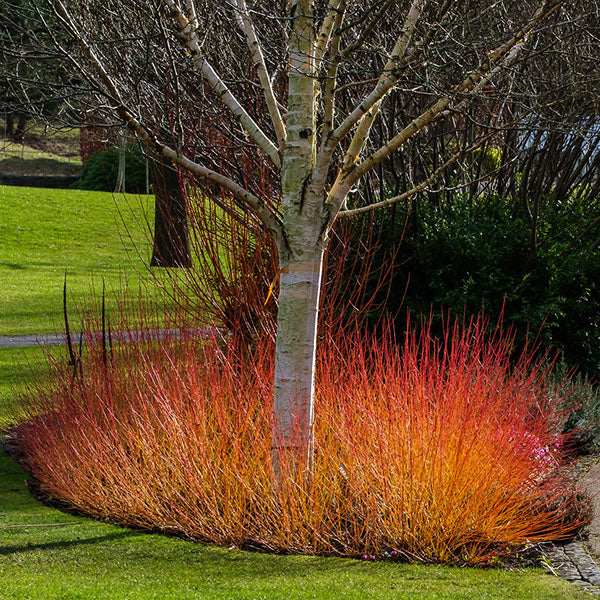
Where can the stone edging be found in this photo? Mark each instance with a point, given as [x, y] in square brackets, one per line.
[573, 562]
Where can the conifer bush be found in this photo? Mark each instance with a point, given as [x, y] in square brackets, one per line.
[425, 449]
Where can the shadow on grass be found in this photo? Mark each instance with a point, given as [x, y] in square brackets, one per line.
[64, 544]
[15, 165]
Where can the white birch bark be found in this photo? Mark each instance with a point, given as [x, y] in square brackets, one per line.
[190, 38]
[300, 284]
[300, 254]
[247, 26]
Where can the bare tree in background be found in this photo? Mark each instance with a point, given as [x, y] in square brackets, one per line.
[300, 90]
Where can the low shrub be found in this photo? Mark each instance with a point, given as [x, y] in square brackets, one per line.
[430, 450]
[100, 171]
[583, 396]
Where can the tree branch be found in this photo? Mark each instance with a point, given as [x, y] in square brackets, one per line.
[319, 175]
[388, 77]
[368, 30]
[364, 127]
[187, 30]
[324, 35]
[271, 220]
[247, 26]
[421, 186]
[328, 96]
[497, 59]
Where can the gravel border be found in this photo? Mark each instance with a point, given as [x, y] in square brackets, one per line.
[574, 563]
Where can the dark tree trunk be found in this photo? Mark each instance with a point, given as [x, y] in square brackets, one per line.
[10, 125]
[19, 132]
[171, 236]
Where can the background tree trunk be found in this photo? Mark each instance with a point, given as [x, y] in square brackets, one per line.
[19, 132]
[171, 246]
[10, 125]
[120, 187]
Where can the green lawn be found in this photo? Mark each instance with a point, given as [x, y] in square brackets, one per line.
[45, 151]
[37, 162]
[19, 369]
[92, 236]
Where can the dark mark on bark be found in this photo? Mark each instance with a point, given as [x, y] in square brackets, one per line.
[305, 183]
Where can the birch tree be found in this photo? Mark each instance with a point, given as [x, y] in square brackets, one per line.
[300, 86]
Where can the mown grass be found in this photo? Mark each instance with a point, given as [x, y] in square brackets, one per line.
[43, 152]
[21, 368]
[61, 140]
[91, 236]
[37, 162]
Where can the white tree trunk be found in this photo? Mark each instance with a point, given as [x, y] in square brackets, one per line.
[120, 184]
[300, 253]
[300, 284]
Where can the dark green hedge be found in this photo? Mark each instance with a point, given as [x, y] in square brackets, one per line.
[100, 172]
[464, 255]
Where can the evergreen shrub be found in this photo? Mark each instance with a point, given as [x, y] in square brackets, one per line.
[100, 172]
[463, 255]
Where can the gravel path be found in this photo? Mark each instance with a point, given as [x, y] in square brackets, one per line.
[578, 561]
[57, 339]
[46, 339]
[590, 480]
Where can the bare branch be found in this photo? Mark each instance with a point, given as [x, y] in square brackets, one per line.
[324, 35]
[388, 77]
[190, 39]
[497, 59]
[368, 30]
[364, 127]
[329, 91]
[319, 175]
[421, 187]
[247, 26]
[117, 104]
